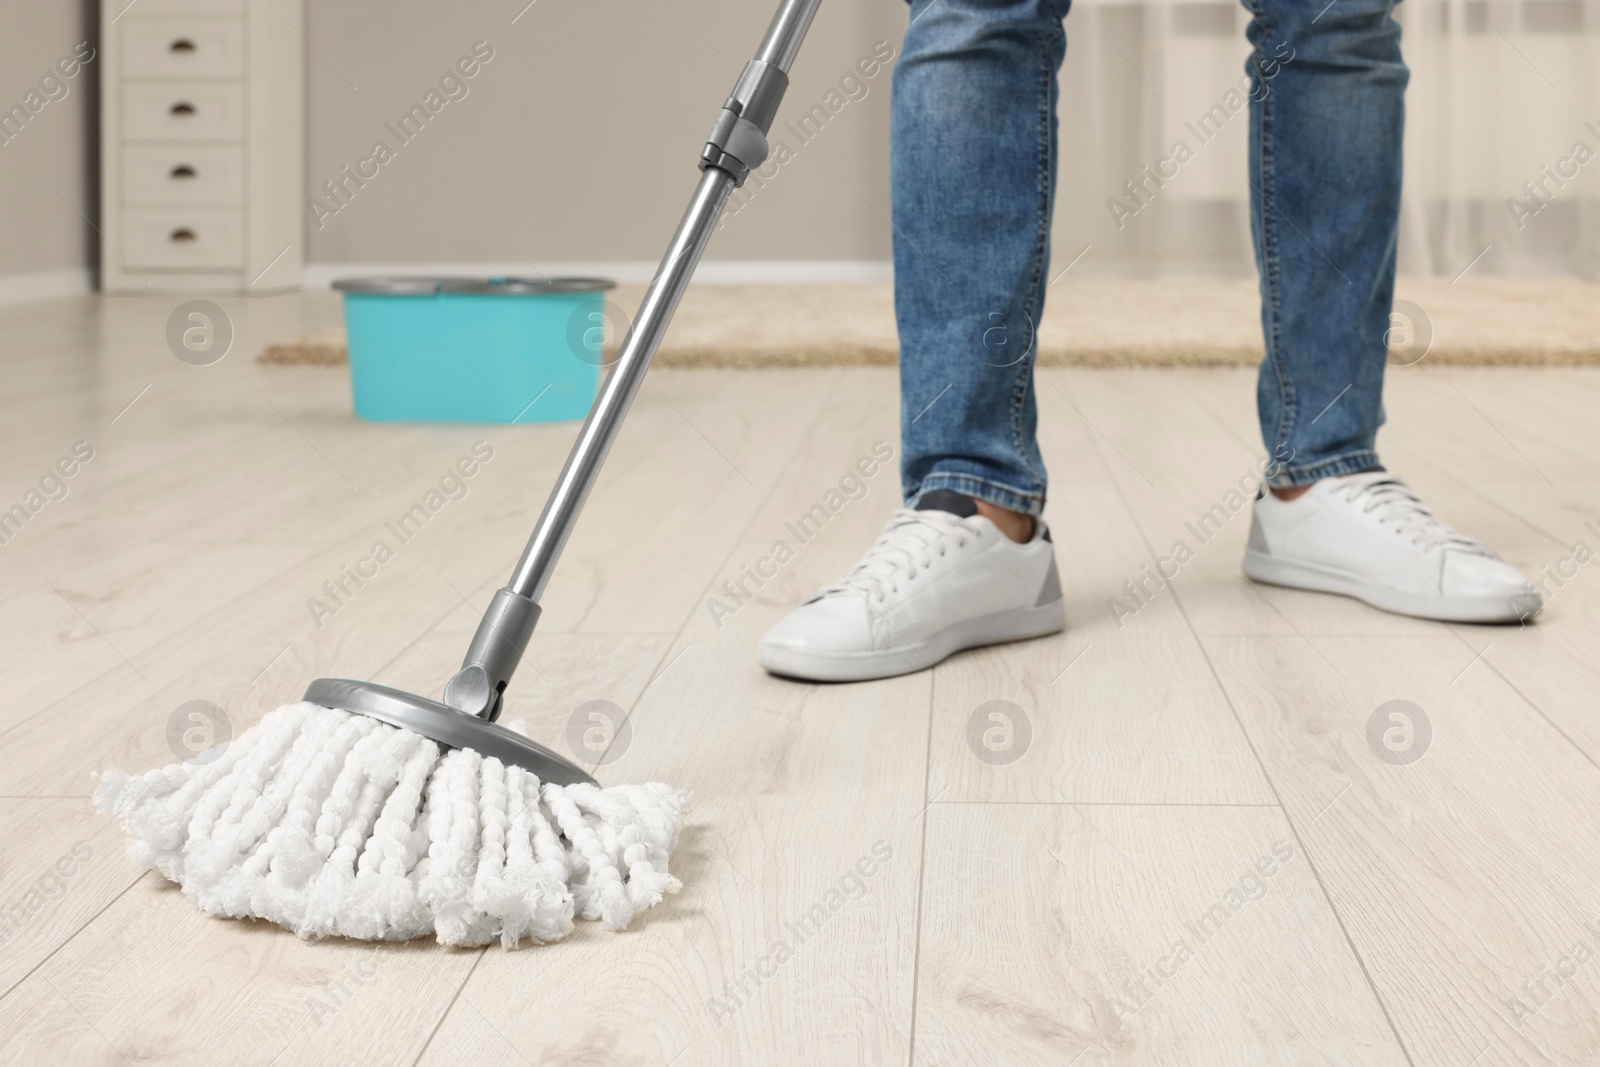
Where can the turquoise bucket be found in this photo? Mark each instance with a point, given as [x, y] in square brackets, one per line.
[474, 350]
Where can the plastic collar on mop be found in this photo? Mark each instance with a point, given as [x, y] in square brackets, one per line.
[333, 824]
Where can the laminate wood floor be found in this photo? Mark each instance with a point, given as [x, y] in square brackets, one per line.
[1180, 847]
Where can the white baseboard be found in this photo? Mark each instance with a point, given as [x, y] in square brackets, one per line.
[714, 272]
[44, 285]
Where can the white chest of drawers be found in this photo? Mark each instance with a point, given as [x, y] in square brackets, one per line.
[202, 145]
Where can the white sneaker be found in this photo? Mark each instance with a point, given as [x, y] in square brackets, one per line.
[1368, 536]
[941, 578]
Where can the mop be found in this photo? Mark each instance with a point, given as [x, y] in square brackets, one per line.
[371, 813]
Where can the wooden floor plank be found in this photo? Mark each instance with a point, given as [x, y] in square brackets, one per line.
[1123, 935]
[63, 864]
[1456, 873]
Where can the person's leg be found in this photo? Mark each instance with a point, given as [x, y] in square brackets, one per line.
[1327, 120]
[1326, 139]
[972, 165]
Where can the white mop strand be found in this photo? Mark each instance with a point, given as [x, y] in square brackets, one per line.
[333, 824]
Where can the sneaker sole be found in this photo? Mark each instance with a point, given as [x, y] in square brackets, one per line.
[1296, 575]
[999, 628]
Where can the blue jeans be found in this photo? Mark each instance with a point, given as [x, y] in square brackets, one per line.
[973, 167]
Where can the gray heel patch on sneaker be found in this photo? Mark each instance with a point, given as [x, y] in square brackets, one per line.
[1258, 540]
[1052, 586]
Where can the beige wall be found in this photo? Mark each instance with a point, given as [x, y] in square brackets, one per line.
[39, 229]
[578, 140]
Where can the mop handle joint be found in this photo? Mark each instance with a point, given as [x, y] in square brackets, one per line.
[738, 139]
[496, 649]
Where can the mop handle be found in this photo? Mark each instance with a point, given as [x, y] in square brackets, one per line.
[737, 144]
[739, 135]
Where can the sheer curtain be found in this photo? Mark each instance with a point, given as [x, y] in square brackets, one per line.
[1502, 141]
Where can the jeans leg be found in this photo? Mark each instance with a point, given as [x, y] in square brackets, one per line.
[972, 169]
[1327, 118]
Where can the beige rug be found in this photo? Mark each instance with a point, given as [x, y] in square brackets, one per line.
[1099, 322]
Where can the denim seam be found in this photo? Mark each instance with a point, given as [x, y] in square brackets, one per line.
[1287, 401]
[1019, 393]
[1358, 462]
[979, 488]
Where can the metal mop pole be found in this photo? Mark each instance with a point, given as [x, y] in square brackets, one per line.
[737, 145]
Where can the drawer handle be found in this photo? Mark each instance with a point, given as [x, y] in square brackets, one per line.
[182, 171]
[182, 45]
[182, 237]
[182, 109]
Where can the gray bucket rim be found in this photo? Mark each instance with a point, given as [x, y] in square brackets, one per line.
[498, 286]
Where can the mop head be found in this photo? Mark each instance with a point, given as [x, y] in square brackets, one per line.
[333, 824]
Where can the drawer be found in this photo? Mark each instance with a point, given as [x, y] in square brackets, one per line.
[183, 48]
[203, 174]
[183, 238]
[148, 8]
[180, 111]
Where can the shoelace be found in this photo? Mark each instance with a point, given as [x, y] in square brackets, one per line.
[1396, 504]
[909, 545]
